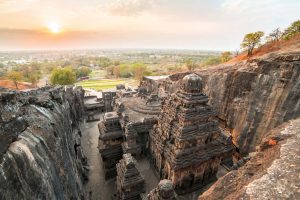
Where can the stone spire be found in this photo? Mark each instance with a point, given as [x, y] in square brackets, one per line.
[186, 144]
[130, 144]
[110, 143]
[130, 184]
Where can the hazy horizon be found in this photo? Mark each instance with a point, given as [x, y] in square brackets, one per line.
[138, 24]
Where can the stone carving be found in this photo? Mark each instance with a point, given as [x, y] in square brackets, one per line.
[130, 184]
[187, 145]
[110, 140]
[136, 119]
[130, 144]
[164, 191]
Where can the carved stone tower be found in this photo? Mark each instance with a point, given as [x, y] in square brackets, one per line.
[187, 145]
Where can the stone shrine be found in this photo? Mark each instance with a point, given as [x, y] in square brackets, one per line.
[164, 191]
[187, 145]
[130, 144]
[110, 140]
[130, 184]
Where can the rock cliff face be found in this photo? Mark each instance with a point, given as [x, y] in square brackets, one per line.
[38, 145]
[271, 173]
[255, 96]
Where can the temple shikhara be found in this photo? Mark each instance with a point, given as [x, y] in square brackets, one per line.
[110, 143]
[164, 191]
[130, 184]
[186, 144]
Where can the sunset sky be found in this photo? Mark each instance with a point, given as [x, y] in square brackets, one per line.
[180, 24]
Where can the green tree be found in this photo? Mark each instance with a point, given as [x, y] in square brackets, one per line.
[110, 70]
[34, 78]
[251, 40]
[31, 73]
[225, 56]
[63, 76]
[211, 60]
[292, 30]
[15, 77]
[104, 62]
[139, 70]
[275, 35]
[124, 71]
[191, 65]
[83, 71]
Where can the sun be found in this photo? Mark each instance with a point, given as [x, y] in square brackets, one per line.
[54, 27]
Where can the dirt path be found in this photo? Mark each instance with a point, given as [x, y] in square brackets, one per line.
[96, 187]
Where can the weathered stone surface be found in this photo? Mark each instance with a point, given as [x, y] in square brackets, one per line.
[255, 96]
[164, 191]
[38, 146]
[130, 184]
[271, 173]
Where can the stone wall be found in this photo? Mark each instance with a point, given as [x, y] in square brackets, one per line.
[40, 156]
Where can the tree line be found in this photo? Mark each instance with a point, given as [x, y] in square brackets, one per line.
[253, 40]
[249, 43]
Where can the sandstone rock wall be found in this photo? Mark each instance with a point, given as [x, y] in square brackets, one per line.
[255, 96]
[38, 131]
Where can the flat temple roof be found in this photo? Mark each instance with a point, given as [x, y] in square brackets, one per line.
[156, 77]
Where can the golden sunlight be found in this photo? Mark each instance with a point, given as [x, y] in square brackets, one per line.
[54, 27]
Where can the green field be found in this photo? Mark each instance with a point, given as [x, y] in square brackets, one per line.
[101, 84]
[97, 74]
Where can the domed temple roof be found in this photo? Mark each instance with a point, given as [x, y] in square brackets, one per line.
[192, 83]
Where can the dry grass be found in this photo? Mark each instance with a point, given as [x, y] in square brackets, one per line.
[283, 45]
[9, 84]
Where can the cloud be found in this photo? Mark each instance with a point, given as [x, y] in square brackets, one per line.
[10, 6]
[240, 6]
[129, 7]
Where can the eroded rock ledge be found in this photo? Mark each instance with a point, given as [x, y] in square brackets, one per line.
[40, 157]
[271, 173]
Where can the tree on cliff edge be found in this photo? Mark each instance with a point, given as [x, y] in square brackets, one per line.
[63, 76]
[191, 65]
[292, 30]
[275, 35]
[251, 40]
[225, 56]
[15, 77]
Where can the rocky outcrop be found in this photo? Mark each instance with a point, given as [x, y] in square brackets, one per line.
[40, 153]
[271, 173]
[254, 96]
